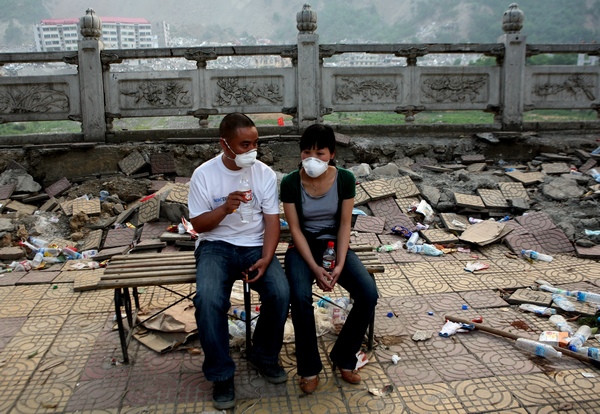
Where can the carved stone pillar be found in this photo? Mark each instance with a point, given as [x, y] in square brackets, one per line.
[513, 69]
[91, 86]
[309, 69]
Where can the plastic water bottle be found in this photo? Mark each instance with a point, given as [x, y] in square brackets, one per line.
[592, 353]
[579, 338]
[241, 314]
[412, 240]
[431, 250]
[538, 348]
[38, 242]
[595, 174]
[329, 257]
[539, 310]
[245, 209]
[589, 297]
[37, 260]
[237, 329]
[532, 254]
[71, 253]
[49, 251]
[563, 303]
[561, 324]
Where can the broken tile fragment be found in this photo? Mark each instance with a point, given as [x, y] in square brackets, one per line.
[58, 187]
[404, 187]
[535, 297]
[361, 196]
[513, 190]
[90, 207]
[440, 236]
[118, 237]
[369, 224]
[477, 167]
[467, 200]
[21, 208]
[162, 163]
[536, 222]
[149, 210]
[527, 178]
[378, 189]
[154, 230]
[407, 205]
[554, 241]
[492, 198]
[472, 158]
[179, 193]
[132, 163]
[92, 240]
[455, 222]
[555, 168]
[6, 191]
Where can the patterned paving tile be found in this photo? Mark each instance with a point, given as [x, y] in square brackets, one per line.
[11, 279]
[58, 187]
[90, 207]
[492, 394]
[429, 398]
[513, 190]
[132, 163]
[154, 230]
[455, 222]
[533, 389]
[95, 395]
[492, 198]
[378, 189]
[555, 168]
[179, 193]
[536, 297]
[182, 180]
[404, 187]
[55, 394]
[385, 208]
[364, 238]
[7, 190]
[483, 299]
[554, 241]
[402, 220]
[49, 205]
[523, 241]
[67, 207]
[407, 204]
[466, 200]
[22, 208]
[53, 307]
[588, 252]
[536, 221]
[588, 165]
[361, 196]
[162, 163]
[118, 237]
[149, 210]
[92, 240]
[526, 178]
[35, 277]
[413, 372]
[506, 280]
[369, 224]
[440, 236]
[393, 283]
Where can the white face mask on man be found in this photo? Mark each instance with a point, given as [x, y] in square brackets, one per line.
[314, 167]
[245, 160]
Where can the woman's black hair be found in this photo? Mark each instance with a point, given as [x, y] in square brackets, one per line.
[318, 136]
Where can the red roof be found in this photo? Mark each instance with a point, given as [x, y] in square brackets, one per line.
[124, 20]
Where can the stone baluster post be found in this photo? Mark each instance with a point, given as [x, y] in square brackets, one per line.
[513, 68]
[308, 80]
[91, 86]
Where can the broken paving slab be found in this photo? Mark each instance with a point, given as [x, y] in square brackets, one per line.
[149, 210]
[588, 252]
[370, 239]
[119, 237]
[535, 297]
[179, 193]
[485, 232]
[555, 168]
[92, 241]
[588, 165]
[513, 190]
[154, 230]
[162, 163]
[477, 167]
[522, 241]
[361, 196]
[7, 190]
[492, 198]
[470, 201]
[58, 187]
[21, 208]
[404, 187]
[536, 221]
[37, 277]
[182, 180]
[455, 222]
[554, 241]
[369, 224]
[527, 178]
[90, 207]
[385, 208]
[378, 189]
[406, 205]
[12, 253]
[472, 158]
[169, 237]
[132, 163]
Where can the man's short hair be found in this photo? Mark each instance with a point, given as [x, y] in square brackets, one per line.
[232, 122]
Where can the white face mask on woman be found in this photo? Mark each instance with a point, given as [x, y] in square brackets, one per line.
[314, 167]
[247, 159]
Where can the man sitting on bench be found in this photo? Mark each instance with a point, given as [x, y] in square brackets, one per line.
[228, 248]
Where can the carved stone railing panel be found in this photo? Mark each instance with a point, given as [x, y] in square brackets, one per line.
[250, 90]
[560, 87]
[38, 98]
[456, 89]
[152, 94]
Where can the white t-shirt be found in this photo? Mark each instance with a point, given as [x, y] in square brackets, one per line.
[210, 185]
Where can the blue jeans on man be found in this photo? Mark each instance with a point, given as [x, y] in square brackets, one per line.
[219, 265]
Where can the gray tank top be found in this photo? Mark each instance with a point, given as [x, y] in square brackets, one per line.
[319, 212]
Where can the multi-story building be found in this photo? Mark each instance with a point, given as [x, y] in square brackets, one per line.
[117, 33]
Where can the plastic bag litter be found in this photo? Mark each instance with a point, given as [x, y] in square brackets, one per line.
[474, 266]
[450, 328]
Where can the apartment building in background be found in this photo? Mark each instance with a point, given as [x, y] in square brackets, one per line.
[117, 33]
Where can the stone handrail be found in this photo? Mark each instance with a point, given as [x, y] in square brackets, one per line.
[307, 89]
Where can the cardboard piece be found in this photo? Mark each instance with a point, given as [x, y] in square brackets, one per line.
[484, 232]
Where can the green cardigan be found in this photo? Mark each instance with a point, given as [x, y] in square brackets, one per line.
[291, 192]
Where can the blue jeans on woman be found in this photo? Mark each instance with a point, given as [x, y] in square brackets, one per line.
[218, 266]
[361, 286]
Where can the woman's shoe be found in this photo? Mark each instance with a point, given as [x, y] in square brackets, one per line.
[309, 385]
[350, 375]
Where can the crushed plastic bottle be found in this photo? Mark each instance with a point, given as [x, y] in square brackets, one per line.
[579, 338]
[589, 297]
[563, 303]
[561, 324]
[591, 353]
[390, 247]
[426, 249]
[595, 174]
[538, 310]
[71, 253]
[538, 348]
[412, 241]
[38, 242]
[237, 328]
[533, 255]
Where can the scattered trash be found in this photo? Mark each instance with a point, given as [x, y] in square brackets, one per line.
[395, 359]
[538, 348]
[361, 360]
[474, 266]
[477, 319]
[425, 209]
[465, 307]
[390, 247]
[533, 255]
[387, 390]
[563, 303]
[579, 337]
[539, 310]
[450, 328]
[422, 335]
[555, 338]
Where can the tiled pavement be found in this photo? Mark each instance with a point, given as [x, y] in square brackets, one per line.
[59, 352]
